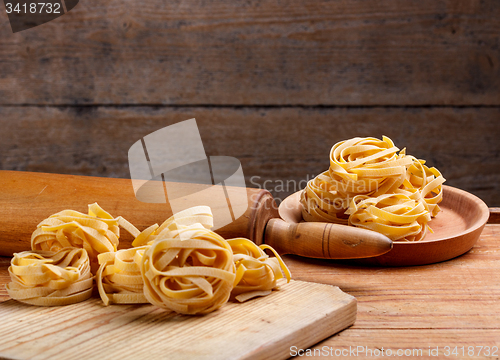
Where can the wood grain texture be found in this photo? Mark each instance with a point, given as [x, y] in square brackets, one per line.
[4, 277]
[27, 198]
[285, 53]
[453, 303]
[411, 344]
[494, 216]
[323, 240]
[279, 148]
[349, 52]
[455, 230]
[263, 328]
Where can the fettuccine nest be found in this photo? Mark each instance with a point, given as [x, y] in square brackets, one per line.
[181, 265]
[192, 276]
[373, 185]
[50, 278]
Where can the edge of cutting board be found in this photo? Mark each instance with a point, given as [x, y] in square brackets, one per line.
[301, 314]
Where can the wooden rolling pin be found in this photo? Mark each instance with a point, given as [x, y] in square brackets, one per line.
[27, 198]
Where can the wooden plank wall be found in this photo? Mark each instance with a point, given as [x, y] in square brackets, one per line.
[273, 83]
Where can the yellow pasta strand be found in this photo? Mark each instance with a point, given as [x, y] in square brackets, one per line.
[119, 279]
[195, 215]
[48, 278]
[96, 232]
[181, 265]
[256, 272]
[191, 273]
[373, 185]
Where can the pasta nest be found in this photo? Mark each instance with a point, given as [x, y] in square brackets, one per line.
[400, 186]
[96, 232]
[256, 272]
[201, 215]
[49, 278]
[119, 279]
[191, 272]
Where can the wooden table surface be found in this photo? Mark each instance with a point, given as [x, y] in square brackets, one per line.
[273, 83]
[453, 306]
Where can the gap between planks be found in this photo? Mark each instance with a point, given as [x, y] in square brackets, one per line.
[256, 106]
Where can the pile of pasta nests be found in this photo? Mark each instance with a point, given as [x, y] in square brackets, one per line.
[371, 184]
[181, 265]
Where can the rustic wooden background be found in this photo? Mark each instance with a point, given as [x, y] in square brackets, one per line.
[273, 83]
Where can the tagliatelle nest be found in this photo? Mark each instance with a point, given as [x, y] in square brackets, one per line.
[373, 185]
[181, 265]
[119, 279]
[49, 278]
[96, 232]
[201, 215]
[256, 272]
[190, 276]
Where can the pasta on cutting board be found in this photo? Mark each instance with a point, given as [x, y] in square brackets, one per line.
[48, 278]
[180, 265]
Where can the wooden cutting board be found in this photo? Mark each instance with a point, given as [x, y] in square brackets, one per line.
[300, 314]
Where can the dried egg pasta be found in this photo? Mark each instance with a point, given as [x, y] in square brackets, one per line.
[181, 265]
[195, 215]
[49, 278]
[190, 274]
[256, 272]
[119, 279]
[96, 232]
[374, 185]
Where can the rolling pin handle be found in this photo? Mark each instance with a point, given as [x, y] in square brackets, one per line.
[325, 240]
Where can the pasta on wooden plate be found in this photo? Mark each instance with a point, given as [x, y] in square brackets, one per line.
[373, 185]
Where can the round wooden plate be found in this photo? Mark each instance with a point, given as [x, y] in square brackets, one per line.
[456, 229]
